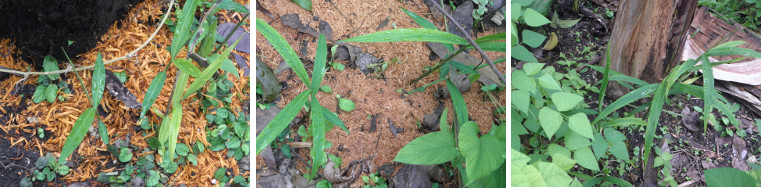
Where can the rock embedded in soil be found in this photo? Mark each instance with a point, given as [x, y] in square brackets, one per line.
[411, 176]
[41, 28]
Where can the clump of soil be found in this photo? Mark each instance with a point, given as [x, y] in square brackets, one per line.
[42, 28]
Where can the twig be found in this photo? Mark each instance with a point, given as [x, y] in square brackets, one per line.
[131, 54]
[472, 42]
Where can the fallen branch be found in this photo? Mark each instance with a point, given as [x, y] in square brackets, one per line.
[472, 42]
[131, 54]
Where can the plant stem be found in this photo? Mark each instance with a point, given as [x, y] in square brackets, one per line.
[434, 68]
[472, 42]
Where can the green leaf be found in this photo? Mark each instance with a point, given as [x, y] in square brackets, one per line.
[482, 155]
[318, 139]
[326, 89]
[575, 141]
[613, 135]
[626, 99]
[565, 101]
[333, 118]
[233, 6]
[431, 148]
[50, 64]
[520, 99]
[39, 93]
[532, 68]
[526, 176]
[182, 149]
[579, 123]
[199, 146]
[152, 93]
[346, 104]
[619, 150]
[554, 175]
[586, 158]
[229, 66]
[182, 34]
[515, 9]
[284, 49]
[125, 155]
[491, 38]
[51, 92]
[209, 71]
[728, 177]
[103, 131]
[555, 149]
[220, 173]
[547, 82]
[521, 81]
[192, 158]
[78, 132]
[550, 120]
[187, 66]
[521, 53]
[460, 110]
[280, 121]
[320, 59]
[420, 20]
[533, 18]
[443, 125]
[599, 146]
[306, 4]
[563, 161]
[233, 143]
[410, 34]
[532, 39]
[98, 80]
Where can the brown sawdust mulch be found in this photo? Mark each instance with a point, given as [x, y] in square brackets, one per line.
[60, 116]
[371, 95]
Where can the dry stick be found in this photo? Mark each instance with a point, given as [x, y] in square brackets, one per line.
[132, 53]
[471, 41]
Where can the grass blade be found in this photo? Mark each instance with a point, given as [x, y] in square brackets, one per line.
[174, 129]
[152, 93]
[78, 132]
[233, 6]
[318, 136]
[492, 46]
[285, 50]
[708, 89]
[209, 71]
[280, 121]
[98, 80]
[630, 97]
[187, 67]
[492, 37]
[461, 111]
[624, 121]
[184, 22]
[411, 34]
[318, 72]
[605, 75]
[420, 20]
[333, 118]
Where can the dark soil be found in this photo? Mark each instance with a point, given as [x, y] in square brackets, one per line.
[42, 28]
[15, 161]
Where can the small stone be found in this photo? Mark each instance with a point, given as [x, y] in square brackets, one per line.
[213, 181]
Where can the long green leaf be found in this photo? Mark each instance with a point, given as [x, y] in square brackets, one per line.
[733, 51]
[174, 125]
[153, 92]
[605, 76]
[280, 121]
[187, 67]
[98, 80]
[624, 121]
[492, 37]
[184, 22]
[319, 64]
[233, 6]
[654, 113]
[209, 71]
[78, 132]
[432, 148]
[426, 24]
[285, 50]
[318, 137]
[461, 111]
[492, 46]
[630, 97]
[411, 34]
[333, 118]
[708, 89]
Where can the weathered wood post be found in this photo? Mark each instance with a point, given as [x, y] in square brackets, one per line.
[647, 38]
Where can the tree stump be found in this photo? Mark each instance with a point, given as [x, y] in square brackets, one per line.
[647, 39]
